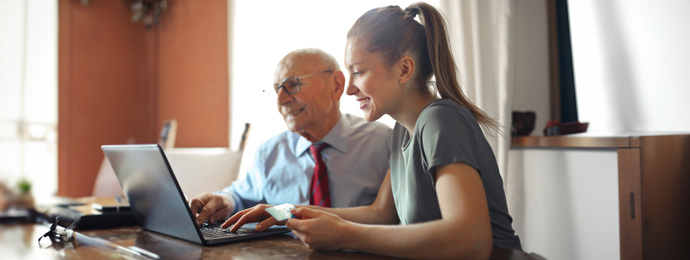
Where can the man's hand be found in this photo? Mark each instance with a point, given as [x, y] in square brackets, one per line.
[211, 207]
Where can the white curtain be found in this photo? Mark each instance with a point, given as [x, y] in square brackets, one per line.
[482, 35]
[482, 40]
[28, 94]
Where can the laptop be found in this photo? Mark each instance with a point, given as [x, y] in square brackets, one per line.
[157, 201]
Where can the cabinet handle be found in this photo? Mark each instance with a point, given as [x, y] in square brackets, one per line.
[632, 205]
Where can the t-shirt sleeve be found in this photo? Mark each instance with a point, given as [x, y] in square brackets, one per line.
[446, 137]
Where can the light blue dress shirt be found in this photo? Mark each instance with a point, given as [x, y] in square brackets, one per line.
[357, 158]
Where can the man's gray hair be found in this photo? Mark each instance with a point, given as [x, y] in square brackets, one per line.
[327, 58]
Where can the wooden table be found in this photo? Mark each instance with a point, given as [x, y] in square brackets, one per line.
[20, 241]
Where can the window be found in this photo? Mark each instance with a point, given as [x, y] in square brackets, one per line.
[28, 94]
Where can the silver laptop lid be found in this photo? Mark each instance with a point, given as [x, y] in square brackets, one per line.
[153, 192]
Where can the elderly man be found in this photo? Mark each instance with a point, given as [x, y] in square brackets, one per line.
[326, 158]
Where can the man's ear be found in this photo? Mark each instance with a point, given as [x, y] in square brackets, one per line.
[339, 82]
[406, 69]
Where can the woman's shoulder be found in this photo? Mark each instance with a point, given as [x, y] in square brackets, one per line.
[444, 111]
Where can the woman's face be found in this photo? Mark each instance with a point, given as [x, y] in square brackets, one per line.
[372, 83]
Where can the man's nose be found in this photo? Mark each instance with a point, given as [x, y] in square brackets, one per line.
[284, 97]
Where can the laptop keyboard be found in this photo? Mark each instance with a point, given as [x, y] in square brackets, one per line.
[216, 231]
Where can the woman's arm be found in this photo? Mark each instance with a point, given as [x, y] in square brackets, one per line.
[381, 211]
[464, 232]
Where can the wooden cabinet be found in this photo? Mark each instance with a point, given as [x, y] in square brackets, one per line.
[653, 193]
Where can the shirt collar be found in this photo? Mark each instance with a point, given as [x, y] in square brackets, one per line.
[337, 138]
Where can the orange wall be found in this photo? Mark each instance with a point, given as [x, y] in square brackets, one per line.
[193, 71]
[118, 80]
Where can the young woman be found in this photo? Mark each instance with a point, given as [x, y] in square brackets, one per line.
[443, 196]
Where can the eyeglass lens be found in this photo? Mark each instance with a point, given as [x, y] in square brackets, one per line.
[290, 84]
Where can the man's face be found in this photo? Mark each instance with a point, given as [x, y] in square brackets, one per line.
[309, 108]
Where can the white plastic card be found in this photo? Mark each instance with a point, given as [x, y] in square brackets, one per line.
[281, 212]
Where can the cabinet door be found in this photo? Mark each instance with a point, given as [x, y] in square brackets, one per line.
[665, 196]
[569, 202]
[630, 203]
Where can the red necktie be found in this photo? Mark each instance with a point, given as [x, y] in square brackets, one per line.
[320, 196]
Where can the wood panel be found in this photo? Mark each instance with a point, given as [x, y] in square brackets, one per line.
[101, 88]
[665, 163]
[571, 141]
[64, 97]
[193, 72]
[118, 80]
[629, 203]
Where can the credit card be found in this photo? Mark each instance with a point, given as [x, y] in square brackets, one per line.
[281, 212]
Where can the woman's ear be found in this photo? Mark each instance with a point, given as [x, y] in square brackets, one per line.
[406, 69]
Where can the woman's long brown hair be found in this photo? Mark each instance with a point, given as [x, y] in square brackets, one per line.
[391, 32]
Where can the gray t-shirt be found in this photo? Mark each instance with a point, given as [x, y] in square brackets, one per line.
[445, 133]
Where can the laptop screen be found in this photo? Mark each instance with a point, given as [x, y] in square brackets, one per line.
[153, 192]
[156, 198]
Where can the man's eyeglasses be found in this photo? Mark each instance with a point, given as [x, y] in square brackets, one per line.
[292, 85]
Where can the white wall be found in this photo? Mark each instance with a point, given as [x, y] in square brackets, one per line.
[631, 63]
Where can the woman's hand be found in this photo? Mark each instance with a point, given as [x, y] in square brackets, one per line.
[254, 214]
[319, 230]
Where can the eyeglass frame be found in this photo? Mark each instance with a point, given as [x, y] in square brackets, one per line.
[277, 87]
